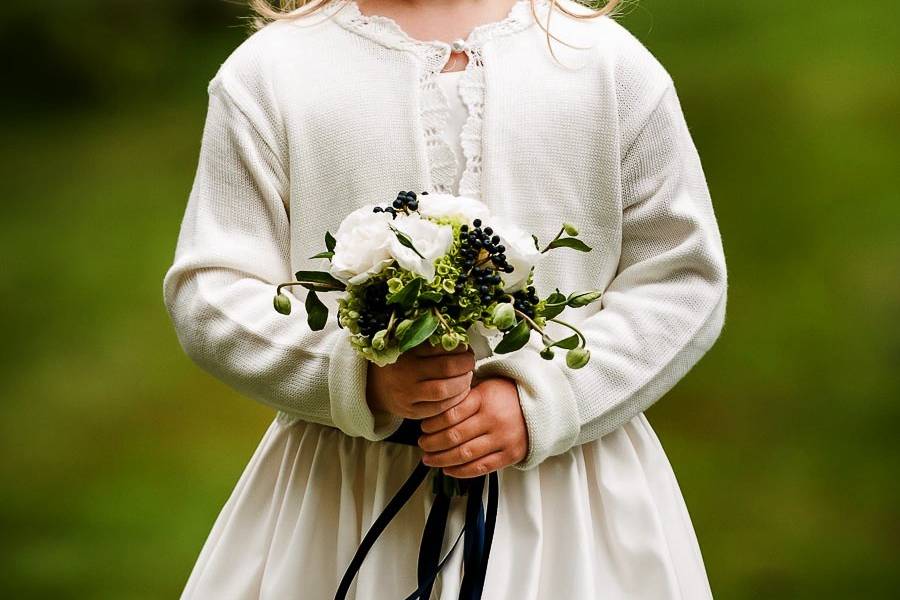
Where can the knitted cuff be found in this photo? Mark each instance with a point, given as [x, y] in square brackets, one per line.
[350, 411]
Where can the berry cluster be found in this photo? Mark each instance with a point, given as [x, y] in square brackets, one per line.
[486, 281]
[375, 314]
[406, 202]
[526, 300]
[473, 241]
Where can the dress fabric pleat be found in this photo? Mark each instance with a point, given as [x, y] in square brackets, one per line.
[604, 520]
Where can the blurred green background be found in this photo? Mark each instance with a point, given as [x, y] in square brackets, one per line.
[118, 452]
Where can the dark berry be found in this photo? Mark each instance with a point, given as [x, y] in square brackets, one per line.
[477, 222]
[488, 231]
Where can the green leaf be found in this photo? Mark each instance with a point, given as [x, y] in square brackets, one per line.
[573, 243]
[431, 295]
[321, 287]
[405, 241]
[316, 311]
[329, 255]
[330, 242]
[420, 330]
[319, 281]
[554, 305]
[406, 295]
[567, 343]
[515, 338]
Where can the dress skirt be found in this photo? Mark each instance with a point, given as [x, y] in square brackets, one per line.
[604, 520]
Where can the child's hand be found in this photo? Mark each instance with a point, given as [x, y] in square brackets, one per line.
[483, 433]
[424, 381]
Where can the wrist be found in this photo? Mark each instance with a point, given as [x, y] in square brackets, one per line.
[373, 398]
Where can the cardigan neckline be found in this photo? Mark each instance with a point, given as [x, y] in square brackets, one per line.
[433, 104]
[386, 31]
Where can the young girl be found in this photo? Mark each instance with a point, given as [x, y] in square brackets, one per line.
[546, 115]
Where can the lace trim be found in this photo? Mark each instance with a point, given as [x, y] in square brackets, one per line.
[434, 107]
[387, 31]
[472, 91]
[434, 112]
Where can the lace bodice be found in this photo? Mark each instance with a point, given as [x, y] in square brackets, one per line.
[456, 118]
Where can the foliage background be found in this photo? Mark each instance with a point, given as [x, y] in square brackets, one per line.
[118, 452]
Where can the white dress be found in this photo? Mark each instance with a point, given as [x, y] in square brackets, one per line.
[605, 520]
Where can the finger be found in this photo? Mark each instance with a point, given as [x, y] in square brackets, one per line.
[437, 390]
[443, 367]
[467, 452]
[426, 410]
[454, 414]
[454, 436]
[426, 349]
[482, 466]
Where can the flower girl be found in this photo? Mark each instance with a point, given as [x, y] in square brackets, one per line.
[543, 111]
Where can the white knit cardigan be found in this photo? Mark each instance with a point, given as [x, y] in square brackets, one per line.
[309, 119]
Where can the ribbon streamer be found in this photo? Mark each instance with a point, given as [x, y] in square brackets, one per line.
[478, 529]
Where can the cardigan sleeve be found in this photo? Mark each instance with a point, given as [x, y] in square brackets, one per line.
[662, 311]
[233, 248]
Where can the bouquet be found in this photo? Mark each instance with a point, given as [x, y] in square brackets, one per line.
[439, 269]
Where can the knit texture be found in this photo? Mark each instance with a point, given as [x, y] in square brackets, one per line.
[312, 118]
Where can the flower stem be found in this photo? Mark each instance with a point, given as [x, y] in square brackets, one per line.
[391, 323]
[534, 326]
[443, 321]
[318, 283]
[562, 230]
[573, 328]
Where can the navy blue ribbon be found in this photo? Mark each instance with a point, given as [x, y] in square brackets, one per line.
[478, 530]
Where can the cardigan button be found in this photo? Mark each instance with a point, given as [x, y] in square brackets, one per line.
[458, 45]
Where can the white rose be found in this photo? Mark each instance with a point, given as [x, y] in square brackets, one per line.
[430, 239]
[448, 206]
[363, 246]
[482, 339]
[520, 252]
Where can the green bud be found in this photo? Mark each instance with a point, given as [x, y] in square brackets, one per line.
[448, 285]
[577, 357]
[395, 284]
[449, 341]
[379, 341]
[579, 300]
[547, 353]
[570, 229]
[402, 326]
[504, 315]
[282, 304]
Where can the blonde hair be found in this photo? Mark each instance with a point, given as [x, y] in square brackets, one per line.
[272, 10]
